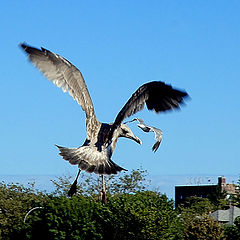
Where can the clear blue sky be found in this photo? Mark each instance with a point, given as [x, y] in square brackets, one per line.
[118, 46]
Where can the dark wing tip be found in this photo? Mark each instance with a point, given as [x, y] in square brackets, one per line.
[32, 50]
[59, 147]
[156, 146]
[26, 48]
[163, 97]
[23, 45]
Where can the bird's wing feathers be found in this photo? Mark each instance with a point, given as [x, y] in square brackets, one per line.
[158, 96]
[158, 138]
[66, 76]
[157, 132]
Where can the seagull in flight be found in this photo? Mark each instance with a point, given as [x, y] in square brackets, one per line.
[95, 154]
[146, 128]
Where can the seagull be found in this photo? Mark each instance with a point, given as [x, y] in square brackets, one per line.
[146, 128]
[94, 156]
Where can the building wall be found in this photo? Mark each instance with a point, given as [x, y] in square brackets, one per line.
[203, 191]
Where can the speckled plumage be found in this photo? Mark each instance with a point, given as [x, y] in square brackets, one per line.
[96, 152]
[146, 128]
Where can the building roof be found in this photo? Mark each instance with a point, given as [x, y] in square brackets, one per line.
[226, 216]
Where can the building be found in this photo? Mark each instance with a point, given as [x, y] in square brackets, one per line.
[226, 216]
[203, 191]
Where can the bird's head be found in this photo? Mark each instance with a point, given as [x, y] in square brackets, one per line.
[126, 132]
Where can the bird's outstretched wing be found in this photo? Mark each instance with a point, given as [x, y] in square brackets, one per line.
[66, 76]
[146, 128]
[158, 138]
[158, 97]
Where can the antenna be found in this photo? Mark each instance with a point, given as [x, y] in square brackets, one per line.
[195, 180]
[199, 180]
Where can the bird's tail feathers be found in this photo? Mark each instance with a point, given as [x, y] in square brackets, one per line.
[89, 160]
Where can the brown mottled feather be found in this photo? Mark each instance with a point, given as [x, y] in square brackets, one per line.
[95, 154]
[66, 76]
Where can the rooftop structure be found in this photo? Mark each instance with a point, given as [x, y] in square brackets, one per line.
[203, 191]
[226, 216]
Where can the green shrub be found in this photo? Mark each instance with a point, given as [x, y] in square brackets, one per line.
[144, 215]
[15, 201]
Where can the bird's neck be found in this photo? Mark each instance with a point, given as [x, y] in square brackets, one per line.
[114, 141]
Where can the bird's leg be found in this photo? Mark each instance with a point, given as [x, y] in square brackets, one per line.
[104, 200]
[102, 194]
[73, 188]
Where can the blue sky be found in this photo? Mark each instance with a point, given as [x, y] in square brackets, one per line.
[118, 46]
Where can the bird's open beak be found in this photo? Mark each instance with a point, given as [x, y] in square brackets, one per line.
[134, 138]
[138, 141]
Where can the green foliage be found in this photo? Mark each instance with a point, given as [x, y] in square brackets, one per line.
[133, 182]
[144, 215]
[218, 199]
[236, 198]
[233, 232]
[131, 212]
[196, 222]
[201, 228]
[15, 201]
[197, 206]
[89, 184]
[64, 218]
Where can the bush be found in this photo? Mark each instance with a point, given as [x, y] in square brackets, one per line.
[15, 201]
[196, 222]
[233, 232]
[144, 215]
